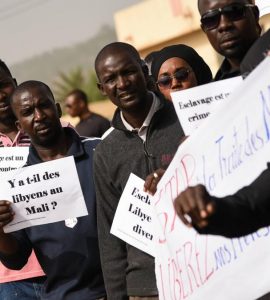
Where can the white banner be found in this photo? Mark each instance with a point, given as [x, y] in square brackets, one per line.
[229, 150]
[133, 218]
[43, 193]
[264, 6]
[194, 105]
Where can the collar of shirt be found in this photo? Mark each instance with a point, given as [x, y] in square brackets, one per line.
[225, 71]
[142, 131]
[21, 139]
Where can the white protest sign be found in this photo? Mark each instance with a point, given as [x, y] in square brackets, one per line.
[12, 158]
[229, 150]
[194, 105]
[133, 218]
[43, 193]
[264, 7]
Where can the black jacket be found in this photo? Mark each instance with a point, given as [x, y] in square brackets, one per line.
[127, 270]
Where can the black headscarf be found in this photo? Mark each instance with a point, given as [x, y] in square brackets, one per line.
[200, 68]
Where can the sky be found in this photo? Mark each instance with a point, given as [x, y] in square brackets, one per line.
[31, 27]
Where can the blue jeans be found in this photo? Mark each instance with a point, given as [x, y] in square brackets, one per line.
[21, 290]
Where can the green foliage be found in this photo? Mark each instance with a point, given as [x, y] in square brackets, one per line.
[77, 79]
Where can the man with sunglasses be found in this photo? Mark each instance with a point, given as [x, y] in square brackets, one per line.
[231, 26]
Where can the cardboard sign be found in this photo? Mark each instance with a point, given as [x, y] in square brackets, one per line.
[227, 152]
[133, 218]
[44, 193]
[194, 105]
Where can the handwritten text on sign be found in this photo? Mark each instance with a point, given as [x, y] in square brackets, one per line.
[43, 193]
[12, 158]
[133, 218]
[227, 152]
[194, 105]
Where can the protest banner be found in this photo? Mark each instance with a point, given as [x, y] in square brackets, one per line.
[194, 105]
[12, 158]
[43, 193]
[133, 218]
[229, 150]
[264, 7]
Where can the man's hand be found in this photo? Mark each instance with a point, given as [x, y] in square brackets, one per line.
[152, 180]
[194, 206]
[6, 214]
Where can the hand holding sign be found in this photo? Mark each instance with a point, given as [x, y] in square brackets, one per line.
[193, 206]
[6, 214]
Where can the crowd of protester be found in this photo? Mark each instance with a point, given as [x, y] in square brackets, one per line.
[83, 260]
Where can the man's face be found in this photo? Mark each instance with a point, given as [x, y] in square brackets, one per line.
[7, 86]
[232, 39]
[37, 115]
[122, 80]
[73, 106]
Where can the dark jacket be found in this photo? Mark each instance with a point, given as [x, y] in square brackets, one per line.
[68, 256]
[225, 71]
[127, 270]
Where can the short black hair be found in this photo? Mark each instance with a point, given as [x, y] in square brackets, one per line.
[79, 94]
[116, 45]
[4, 67]
[30, 84]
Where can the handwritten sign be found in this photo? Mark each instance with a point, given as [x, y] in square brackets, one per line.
[227, 152]
[133, 218]
[12, 158]
[43, 193]
[194, 105]
[264, 7]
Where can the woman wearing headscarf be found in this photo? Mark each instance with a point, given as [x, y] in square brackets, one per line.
[179, 67]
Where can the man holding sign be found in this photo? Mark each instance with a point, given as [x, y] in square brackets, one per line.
[67, 251]
[145, 136]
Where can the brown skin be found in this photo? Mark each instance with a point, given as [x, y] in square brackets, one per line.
[151, 181]
[7, 118]
[76, 107]
[232, 39]
[123, 81]
[194, 207]
[169, 67]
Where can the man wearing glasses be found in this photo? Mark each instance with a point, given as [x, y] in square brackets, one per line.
[231, 26]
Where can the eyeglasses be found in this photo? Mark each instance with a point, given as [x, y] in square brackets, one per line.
[180, 75]
[234, 12]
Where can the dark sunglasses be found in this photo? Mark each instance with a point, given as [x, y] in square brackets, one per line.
[234, 12]
[180, 75]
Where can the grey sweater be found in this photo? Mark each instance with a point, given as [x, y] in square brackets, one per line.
[127, 270]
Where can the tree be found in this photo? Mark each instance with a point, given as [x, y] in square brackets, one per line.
[77, 79]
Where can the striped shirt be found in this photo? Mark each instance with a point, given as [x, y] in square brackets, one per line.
[21, 140]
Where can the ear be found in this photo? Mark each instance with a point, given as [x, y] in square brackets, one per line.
[101, 89]
[19, 127]
[59, 110]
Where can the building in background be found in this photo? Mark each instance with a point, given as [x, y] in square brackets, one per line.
[153, 24]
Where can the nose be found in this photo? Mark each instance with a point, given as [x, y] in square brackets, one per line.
[176, 83]
[122, 82]
[38, 115]
[224, 23]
